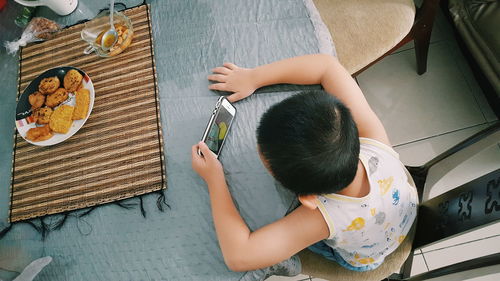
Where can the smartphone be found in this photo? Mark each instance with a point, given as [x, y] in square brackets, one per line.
[219, 125]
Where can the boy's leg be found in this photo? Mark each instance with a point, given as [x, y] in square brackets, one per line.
[289, 267]
[321, 248]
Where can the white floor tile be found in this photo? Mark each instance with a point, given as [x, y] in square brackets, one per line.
[418, 266]
[485, 274]
[491, 273]
[489, 277]
[413, 107]
[486, 161]
[482, 163]
[441, 30]
[407, 46]
[482, 233]
[464, 67]
[420, 152]
[283, 278]
[463, 252]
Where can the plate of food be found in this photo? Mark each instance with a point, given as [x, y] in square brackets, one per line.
[54, 106]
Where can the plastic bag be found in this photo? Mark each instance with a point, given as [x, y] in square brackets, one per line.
[38, 29]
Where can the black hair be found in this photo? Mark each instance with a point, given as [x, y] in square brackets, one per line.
[310, 142]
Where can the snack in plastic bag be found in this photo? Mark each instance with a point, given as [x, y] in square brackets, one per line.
[38, 29]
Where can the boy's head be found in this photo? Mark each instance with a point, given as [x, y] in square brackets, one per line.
[310, 143]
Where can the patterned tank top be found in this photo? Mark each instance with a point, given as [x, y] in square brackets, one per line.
[363, 231]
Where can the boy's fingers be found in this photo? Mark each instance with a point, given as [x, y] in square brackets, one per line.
[194, 151]
[236, 97]
[217, 77]
[230, 65]
[217, 86]
[203, 147]
[207, 153]
[221, 70]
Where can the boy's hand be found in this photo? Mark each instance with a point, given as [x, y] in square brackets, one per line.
[234, 79]
[207, 165]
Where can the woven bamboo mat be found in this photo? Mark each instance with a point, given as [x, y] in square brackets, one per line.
[118, 153]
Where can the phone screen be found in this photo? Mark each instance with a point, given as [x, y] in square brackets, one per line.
[219, 129]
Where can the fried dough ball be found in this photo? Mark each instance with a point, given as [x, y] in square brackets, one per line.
[39, 133]
[42, 115]
[36, 100]
[72, 80]
[56, 98]
[49, 85]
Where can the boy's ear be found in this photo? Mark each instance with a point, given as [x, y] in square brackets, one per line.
[308, 201]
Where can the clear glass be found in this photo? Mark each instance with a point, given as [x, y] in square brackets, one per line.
[100, 24]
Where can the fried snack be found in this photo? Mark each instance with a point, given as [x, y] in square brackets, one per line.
[124, 39]
[39, 133]
[56, 98]
[49, 85]
[82, 104]
[72, 80]
[42, 115]
[36, 100]
[61, 121]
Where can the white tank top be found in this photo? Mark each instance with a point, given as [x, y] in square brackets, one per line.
[363, 231]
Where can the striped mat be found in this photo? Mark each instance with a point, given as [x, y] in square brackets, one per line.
[118, 153]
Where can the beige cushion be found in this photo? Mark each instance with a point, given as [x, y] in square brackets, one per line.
[364, 30]
[317, 266]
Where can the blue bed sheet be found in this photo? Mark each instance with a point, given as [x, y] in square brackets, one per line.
[190, 38]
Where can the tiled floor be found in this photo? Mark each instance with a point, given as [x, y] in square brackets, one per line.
[425, 115]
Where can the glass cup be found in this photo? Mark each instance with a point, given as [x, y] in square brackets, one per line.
[93, 30]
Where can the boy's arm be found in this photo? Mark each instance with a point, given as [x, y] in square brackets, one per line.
[244, 250]
[310, 69]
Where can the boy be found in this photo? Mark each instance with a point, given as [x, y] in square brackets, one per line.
[357, 200]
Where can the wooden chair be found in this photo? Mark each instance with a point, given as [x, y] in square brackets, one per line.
[470, 206]
[365, 31]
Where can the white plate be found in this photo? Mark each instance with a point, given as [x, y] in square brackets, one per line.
[24, 121]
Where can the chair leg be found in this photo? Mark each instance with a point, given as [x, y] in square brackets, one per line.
[421, 50]
[422, 30]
